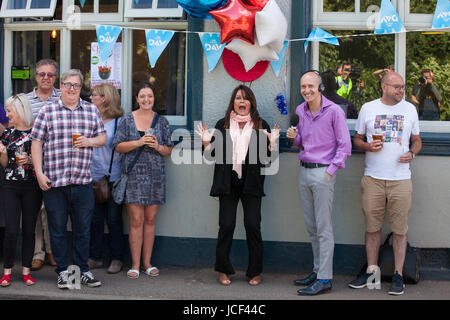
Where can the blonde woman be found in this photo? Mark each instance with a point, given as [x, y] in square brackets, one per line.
[107, 99]
[24, 197]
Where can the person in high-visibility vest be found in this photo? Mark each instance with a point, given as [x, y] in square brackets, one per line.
[344, 82]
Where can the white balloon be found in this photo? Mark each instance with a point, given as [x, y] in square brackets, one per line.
[251, 54]
[271, 26]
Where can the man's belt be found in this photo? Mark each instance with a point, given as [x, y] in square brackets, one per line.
[310, 165]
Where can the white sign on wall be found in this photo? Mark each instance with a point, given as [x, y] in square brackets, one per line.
[111, 71]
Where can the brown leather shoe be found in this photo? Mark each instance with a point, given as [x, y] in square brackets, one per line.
[36, 264]
[51, 261]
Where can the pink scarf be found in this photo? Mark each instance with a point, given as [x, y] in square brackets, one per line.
[240, 138]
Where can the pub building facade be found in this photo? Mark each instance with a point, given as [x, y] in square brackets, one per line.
[186, 92]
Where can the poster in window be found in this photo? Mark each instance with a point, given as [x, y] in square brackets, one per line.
[111, 71]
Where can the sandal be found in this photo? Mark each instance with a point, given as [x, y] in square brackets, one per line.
[5, 280]
[148, 272]
[131, 272]
[224, 279]
[255, 281]
[29, 281]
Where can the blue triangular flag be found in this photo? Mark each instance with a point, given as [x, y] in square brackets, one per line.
[212, 47]
[157, 41]
[442, 15]
[276, 65]
[107, 37]
[322, 36]
[82, 3]
[388, 21]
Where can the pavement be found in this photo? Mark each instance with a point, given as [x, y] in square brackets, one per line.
[200, 284]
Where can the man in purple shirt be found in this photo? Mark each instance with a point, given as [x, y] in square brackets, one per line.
[324, 141]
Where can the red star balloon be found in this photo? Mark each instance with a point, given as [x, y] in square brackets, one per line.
[260, 4]
[236, 21]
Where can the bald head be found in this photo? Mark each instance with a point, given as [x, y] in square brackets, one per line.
[391, 77]
[393, 88]
[312, 75]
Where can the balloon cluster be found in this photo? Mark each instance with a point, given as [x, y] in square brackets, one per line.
[253, 29]
[281, 103]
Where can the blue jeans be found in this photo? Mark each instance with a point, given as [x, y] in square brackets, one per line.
[113, 213]
[76, 201]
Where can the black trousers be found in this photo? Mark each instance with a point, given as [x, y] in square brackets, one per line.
[20, 198]
[227, 222]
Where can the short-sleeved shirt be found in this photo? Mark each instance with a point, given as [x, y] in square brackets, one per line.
[62, 163]
[13, 139]
[397, 123]
[101, 158]
[37, 103]
[147, 180]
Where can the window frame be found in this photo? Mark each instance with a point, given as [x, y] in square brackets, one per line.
[154, 12]
[27, 12]
[357, 21]
[66, 29]
[72, 10]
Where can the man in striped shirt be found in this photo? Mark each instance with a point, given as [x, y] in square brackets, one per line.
[63, 170]
[44, 94]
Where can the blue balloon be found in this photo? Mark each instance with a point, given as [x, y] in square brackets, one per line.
[200, 8]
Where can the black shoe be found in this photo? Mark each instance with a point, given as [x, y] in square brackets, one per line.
[397, 285]
[63, 280]
[316, 288]
[87, 278]
[360, 282]
[306, 281]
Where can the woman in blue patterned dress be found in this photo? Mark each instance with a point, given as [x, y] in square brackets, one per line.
[146, 182]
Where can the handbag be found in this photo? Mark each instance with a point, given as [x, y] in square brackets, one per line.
[120, 186]
[411, 266]
[102, 192]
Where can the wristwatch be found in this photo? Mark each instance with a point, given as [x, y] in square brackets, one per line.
[413, 154]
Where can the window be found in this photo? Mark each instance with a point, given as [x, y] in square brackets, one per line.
[366, 54]
[168, 75]
[96, 11]
[28, 48]
[429, 51]
[27, 8]
[152, 8]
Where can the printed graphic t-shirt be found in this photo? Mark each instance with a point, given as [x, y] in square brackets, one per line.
[397, 123]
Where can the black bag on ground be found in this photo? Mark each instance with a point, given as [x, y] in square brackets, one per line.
[411, 267]
[386, 262]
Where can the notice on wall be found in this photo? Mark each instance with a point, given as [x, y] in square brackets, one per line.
[109, 71]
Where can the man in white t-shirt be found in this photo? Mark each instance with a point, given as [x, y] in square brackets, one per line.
[386, 183]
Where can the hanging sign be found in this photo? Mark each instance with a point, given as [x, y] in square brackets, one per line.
[322, 36]
[157, 41]
[442, 15]
[276, 65]
[388, 21]
[212, 47]
[107, 36]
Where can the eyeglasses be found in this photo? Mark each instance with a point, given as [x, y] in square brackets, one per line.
[396, 86]
[48, 74]
[68, 86]
[93, 94]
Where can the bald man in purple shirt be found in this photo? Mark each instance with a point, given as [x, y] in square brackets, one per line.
[324, 141]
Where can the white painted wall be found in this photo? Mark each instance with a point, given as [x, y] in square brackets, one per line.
[191, 212]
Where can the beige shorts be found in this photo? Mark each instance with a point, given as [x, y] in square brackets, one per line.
[393, 195]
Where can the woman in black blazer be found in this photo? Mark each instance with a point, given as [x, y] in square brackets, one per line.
[239, 176]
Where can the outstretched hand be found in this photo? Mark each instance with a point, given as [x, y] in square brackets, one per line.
[204, 133]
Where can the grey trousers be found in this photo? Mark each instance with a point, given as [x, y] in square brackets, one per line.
[316, 196]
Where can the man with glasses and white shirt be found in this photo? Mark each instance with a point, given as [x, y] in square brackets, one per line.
[45, 93]
[389, 124]
[63, 170]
